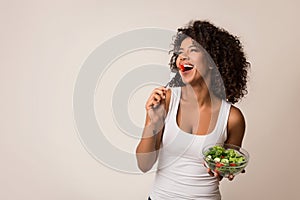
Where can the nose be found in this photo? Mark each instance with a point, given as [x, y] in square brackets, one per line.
[183, 57]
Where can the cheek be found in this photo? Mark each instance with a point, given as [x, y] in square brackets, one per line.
[199, 61]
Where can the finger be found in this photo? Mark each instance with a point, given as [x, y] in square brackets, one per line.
[230, 177]
[220, 178]
[161, 93]
[217, 175]
[157, 97]
[210, 172]
[156, 103]
[153, 100]
[157, 91]
[161, 90]
[150, 103]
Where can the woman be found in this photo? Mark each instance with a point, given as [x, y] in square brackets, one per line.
[180, 121]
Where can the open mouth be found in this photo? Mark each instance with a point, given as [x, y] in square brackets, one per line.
[186, 67]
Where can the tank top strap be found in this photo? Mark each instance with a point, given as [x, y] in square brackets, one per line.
[219, 135]
[221, 126]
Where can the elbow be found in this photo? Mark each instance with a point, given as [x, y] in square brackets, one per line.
[144, 167]
[145, 161]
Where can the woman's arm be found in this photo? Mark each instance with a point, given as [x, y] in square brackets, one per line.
[148, 147]
[235, 127]
[235, 133]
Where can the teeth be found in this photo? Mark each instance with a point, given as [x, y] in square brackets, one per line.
[188, 66]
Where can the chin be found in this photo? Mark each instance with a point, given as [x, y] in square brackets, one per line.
[187, 81]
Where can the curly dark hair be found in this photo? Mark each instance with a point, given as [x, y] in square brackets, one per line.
[227, 54]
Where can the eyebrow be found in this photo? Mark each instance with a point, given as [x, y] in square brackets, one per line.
[189, 47]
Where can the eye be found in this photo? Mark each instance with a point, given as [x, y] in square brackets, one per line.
[194, 50]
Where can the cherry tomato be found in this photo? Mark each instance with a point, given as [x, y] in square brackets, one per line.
[218, 165]
[182, 68]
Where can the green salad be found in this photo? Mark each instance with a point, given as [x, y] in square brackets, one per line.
[224, 161]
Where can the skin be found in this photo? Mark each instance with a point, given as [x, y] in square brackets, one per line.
[197, 113]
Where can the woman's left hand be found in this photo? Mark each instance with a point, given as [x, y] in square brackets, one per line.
[216, 174]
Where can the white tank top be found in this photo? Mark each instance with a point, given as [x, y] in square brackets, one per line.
[180, 172]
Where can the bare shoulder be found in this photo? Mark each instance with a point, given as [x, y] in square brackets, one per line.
[236, 116]
[236, 126]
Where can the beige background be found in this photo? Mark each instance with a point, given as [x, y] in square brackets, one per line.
[44, 43]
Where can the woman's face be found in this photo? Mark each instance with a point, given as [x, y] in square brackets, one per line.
[192, 55]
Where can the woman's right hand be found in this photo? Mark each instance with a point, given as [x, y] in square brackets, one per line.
[156, 108]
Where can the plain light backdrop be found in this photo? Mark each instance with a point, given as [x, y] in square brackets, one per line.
[43, 45]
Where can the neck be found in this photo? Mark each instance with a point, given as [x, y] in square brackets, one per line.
[198, 92]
